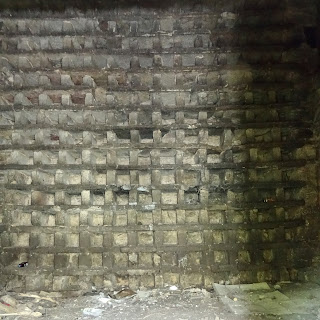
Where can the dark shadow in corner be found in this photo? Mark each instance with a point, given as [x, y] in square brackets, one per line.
[280, 48]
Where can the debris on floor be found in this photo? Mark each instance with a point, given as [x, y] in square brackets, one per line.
[29, 305]
[92, 312]
[260, 298]
[257, 301]
[122, 294]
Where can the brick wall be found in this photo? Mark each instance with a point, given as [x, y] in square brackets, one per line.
[147, 146]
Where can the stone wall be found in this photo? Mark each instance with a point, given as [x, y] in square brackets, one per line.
[145, 146]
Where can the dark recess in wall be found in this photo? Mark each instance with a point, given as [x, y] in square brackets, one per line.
[312, 35]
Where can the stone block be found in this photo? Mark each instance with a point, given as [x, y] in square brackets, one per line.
[133, 258]
[66, 80]
[21, 218]
[170, 237]
[18, 197]
[121, 281]
[195, 237]
[168, 177]
[169, 216]
[144, 218]
[166, 25]
[95, 219]
[46, 240]
[146, 259]
[217, 236]
[32, 80]
[220, 257]
[144, 199]
[120, 260]
[59, 239]
[56, 43]
[120, 239]
[85, 240]
[72, 240]
[45, 260]
[28, 63]
[65, 283]
[96, 260]
[96, 240]
[145, 238]
[169, 198]
[85, 260]
[60, 261]
[21, 99]
[171, 278]
[72, 62]
[39, 282]
[86, 197]
[18, 177]
[20, 239]
[51, 26]
[192, 217]
[244, 257]
[195, 259]
[147, 281]
[98, 197]
[120, 219]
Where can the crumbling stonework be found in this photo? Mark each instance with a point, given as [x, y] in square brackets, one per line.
[143, 147]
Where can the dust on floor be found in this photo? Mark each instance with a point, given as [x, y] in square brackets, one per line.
[224, 302]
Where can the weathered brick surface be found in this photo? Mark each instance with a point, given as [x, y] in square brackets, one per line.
[148, 147]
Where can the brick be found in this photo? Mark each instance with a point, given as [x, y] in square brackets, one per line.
[65, 283]
[145, 238]
[120, 239]
[220, 257]
[96, 240]
[195, 258]
[194, 238]
[21, 99]
[191, 280]
[120, 260]
[169, 216]
[46, 240]
[147, 281]
[192, 216]
[18, 197]
[144, 218]
[170, 237]
[20, 239]
[72, 240]
[39, 283]
[120, 219]
[167, 24]
[169, 198]
[171, 278]
[45, 260]
[85, 260]
[95, 218]
[97, 260]
[60, 261]
[21, 218]
[146, 259]
[133, 258]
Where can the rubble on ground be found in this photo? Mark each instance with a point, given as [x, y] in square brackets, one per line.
[27, 304]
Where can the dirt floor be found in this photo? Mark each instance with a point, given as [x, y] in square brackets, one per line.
[245, 302]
